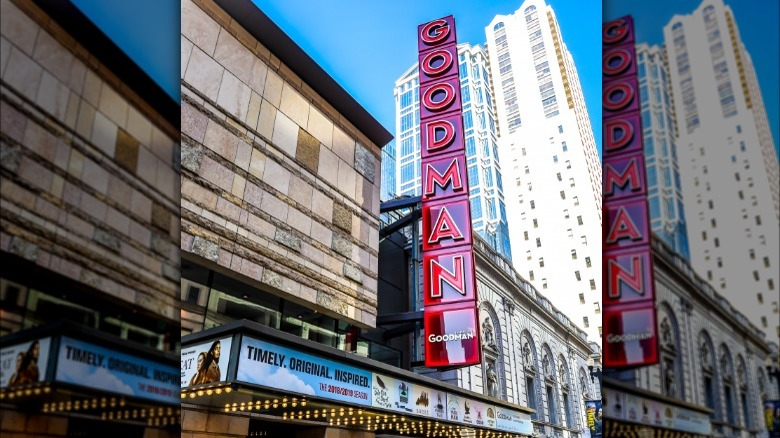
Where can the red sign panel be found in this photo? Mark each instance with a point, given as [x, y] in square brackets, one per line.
[449, 284]
[629, 334]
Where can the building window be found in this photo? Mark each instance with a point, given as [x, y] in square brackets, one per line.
[585, 322]
[544, 283]
[582, 298]
[577, 275]
[538, 242]
[560, 129]
[536, 223]
[574, 254]
[533, 205]
[559, 176]
[531, 275]
[525, 235]
[592, 284]
[531, 392]
[579, 220]
[587, 262]
[551, 405]
[760, 298]
[541, 262]
[576, 201]
[596, 307]
[563, 194]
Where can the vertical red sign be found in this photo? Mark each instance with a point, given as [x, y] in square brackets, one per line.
[451, 329]
[629, 335]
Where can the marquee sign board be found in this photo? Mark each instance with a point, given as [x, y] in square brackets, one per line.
[451, 329]
[630, 335]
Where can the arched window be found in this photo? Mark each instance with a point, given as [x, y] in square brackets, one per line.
[671, 371]
[709, 374]
[492, 358]
[582, 378]
[726, 369]
[761, 380]
[498, 26]
[550, 388]
[531, 373]
[564, 382]
[529, 9]
[742, 391]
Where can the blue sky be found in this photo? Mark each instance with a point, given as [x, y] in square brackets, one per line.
[365, 49]
[758, 26]
[148, 32]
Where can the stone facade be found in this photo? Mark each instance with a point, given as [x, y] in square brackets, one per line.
[703, 337]
[89, 185]
[525, 339]
[278, 188]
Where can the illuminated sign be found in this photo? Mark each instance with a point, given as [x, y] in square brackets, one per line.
[451, 329]
[630, 337]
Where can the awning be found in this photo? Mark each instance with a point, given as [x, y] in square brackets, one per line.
[65, 368]
[247, 367]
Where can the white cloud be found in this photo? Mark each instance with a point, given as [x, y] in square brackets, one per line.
[282, 378]
[99, 378]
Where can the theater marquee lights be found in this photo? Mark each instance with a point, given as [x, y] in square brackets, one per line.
[630, 336]
[451, 329]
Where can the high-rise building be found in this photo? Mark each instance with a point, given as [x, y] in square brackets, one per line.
[549, 154]
[667, 215]
[488, 212]
[387, 188]
[728, 162]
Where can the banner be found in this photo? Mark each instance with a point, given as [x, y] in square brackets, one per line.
[85, 364]
[24, 363]
[641, 410]
[274, 366]
[593, 417]
[772, 417]
[201, 363]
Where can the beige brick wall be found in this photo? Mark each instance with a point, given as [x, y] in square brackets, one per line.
[88, 187]
[277, 186]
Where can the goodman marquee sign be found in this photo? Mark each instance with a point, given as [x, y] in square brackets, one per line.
[629, 299]
[451, 329]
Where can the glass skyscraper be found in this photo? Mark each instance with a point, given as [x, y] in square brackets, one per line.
[488, 211]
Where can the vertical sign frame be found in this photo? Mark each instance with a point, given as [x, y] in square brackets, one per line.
[630, 333]
[452, 336]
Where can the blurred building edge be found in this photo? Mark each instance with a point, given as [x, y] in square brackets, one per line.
[89, 234]
[727, 158]
[710, 380]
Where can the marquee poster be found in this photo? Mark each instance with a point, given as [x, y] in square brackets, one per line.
[593, 418]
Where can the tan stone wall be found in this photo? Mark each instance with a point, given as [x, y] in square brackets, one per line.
[277, 187]
[201, 424]
[88, 187]
[15, 424]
